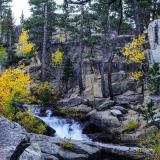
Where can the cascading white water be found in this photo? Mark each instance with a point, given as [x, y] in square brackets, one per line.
[65, 128]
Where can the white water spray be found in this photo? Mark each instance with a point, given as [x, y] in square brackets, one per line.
[65, 128]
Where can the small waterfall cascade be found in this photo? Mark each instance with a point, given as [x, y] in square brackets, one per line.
[65, 128]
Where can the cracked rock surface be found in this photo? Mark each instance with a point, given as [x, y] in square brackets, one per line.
[17, 144]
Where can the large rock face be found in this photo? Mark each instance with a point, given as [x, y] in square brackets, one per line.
[85, 150]
[33, 152]
[154, 40]
[105, 120]
[119, 83]
[12, 136]
[16, 144]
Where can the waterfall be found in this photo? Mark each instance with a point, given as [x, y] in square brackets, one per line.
[65, 127]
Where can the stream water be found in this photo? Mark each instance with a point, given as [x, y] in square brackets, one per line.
[64, 127]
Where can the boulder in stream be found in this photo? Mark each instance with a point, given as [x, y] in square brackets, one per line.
[70, 102]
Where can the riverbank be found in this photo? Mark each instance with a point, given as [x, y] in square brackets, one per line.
[16, 143]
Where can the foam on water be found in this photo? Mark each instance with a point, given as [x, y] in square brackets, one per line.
[65, 128]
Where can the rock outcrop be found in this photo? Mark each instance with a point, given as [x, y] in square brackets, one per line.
[16, 143]
[14, 140]
[154, 40]
[71, 102]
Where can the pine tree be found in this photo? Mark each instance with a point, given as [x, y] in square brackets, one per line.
[41, 26]
[4, 4]
[22, 19]
[8, 31]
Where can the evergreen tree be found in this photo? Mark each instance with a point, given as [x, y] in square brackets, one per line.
[22, 19]
[41, 26]
[8, 31]
[4, 4]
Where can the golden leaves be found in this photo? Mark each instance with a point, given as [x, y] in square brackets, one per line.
[14, 86]
[57, 57]
[136, 75]
[134, 51]
[24, 45]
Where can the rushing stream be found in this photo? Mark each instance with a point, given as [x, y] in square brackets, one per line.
[65, 128]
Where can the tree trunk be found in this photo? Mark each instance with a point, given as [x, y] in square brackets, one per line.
[121, 16]
[103, 82]
[80, 71]
[10, 47]
[1, 21]
[102, 71]
[110, 76]
[43, 67]
[137, 17]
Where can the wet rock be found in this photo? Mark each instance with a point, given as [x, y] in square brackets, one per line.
[116, 113]
[90, 128]
[122, 109]
[106, 105]
[70, 102]
[49, 131]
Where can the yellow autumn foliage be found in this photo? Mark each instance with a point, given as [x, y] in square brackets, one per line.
[14, 86]
[45, 93]
[134, 51]
[24, 45]
[57, 57]
[136, 75]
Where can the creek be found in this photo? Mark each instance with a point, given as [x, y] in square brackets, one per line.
[64, 127]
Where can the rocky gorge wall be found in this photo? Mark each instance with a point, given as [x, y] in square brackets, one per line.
[92, 71]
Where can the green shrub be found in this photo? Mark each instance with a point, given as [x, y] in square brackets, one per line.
[70, 112]
[45, 94]
[66, 144]
[153, 78]
[3, 55]
[131, 125]
[148, 112]
[156, 153]
[68, 69]
[30, 122]
[152, 142]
